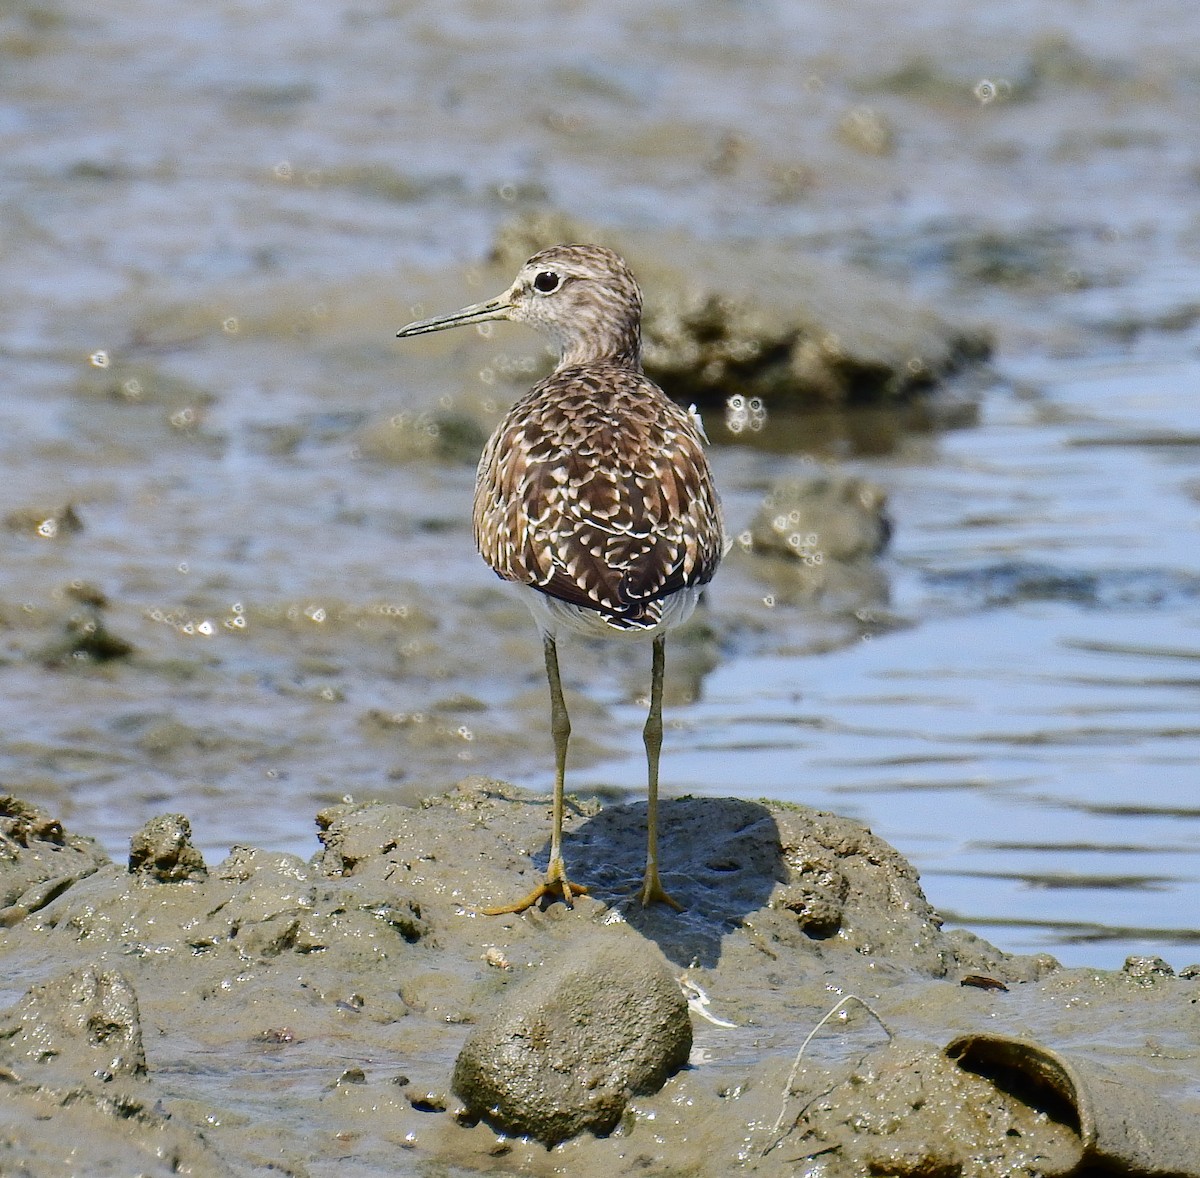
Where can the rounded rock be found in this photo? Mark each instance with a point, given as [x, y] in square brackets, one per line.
[567, 1049]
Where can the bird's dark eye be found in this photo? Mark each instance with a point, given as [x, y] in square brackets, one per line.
[547, 282]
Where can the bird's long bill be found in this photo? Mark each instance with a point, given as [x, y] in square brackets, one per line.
[497, 308]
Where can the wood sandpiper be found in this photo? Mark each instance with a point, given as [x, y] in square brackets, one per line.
[594, 496]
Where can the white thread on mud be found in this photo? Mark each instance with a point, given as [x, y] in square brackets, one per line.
[787, 1088]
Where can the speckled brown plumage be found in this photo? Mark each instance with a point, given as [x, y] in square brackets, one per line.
[595, 490]
[594, 493]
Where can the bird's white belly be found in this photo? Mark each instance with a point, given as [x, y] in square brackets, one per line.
[552, 616]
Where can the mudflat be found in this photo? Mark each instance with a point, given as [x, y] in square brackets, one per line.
[274, 1014]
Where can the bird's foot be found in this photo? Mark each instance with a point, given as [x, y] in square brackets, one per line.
[555, 885]
[654, 893]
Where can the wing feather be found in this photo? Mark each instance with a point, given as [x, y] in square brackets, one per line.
[596, 490]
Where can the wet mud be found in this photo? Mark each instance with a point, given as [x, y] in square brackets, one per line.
[354, 1012]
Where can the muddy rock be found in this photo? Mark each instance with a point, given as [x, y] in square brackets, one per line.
[565, 1051]
[868, 130]
[815, 538]
[841, 883]
[812, 880]
[84, 1021]
[825, 517]
[162, 850]
[47, 522]
[84, 638]
[38, 859]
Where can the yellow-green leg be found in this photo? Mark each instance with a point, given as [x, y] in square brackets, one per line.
[652, 889]
[556, 882]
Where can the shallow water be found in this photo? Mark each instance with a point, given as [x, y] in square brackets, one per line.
[214, 223]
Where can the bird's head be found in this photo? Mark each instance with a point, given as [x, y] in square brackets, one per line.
[582, 297]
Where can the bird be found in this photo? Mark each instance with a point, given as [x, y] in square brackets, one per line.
[594, 496]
